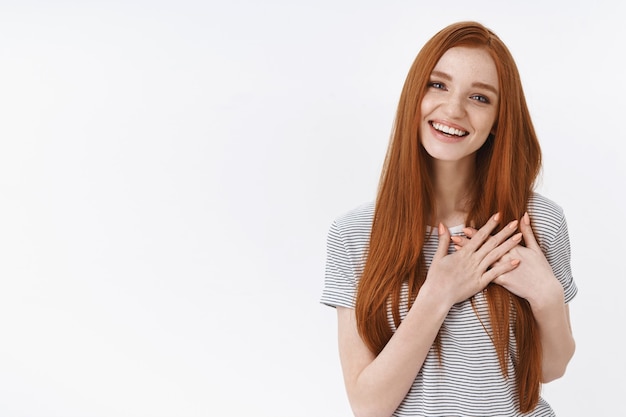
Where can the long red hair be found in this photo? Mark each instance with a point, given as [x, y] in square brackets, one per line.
[507, 166]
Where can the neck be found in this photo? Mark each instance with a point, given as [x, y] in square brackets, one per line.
[452, 182]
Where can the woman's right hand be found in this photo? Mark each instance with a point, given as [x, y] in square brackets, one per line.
[458, 276]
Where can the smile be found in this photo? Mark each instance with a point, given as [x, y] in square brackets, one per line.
[448, 130]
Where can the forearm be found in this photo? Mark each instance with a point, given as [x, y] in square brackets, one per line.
[379, 388]
[557, 341]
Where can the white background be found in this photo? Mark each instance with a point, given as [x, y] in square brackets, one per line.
[169, 171]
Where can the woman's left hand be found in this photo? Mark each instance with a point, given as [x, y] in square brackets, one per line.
[533, 279]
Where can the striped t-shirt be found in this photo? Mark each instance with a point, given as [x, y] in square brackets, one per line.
[468, 381]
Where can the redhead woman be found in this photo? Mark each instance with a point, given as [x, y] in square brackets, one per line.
[452, 287]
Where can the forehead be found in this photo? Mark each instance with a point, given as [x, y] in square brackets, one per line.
[468, 64]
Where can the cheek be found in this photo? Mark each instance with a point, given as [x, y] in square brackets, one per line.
[427, 105]
[491, 121]
[484, 123]
[426, 108]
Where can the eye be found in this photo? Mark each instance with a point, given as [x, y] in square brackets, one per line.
[480, 98]
[437, 85]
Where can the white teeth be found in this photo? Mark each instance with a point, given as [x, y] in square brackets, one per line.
[449, 130]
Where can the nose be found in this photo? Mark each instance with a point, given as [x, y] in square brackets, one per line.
[454, 107]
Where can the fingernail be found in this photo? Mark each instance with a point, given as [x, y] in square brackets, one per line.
[513, 224]
[455, 239]
[515, 262]
[467, 231]
[517, 237]
[526, 218]
[496, 217]
[441, 229]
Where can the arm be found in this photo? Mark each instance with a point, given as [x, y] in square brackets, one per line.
[377, 384]
[557, 340]
[535, 281]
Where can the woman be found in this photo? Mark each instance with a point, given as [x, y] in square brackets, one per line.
[452, 288]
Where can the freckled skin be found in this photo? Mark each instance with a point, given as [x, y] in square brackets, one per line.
[459, 96]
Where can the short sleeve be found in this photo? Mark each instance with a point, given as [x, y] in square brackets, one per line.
[340, 279]
[558, 254]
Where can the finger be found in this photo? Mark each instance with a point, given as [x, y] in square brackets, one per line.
[469, 231]
[500, 251]
[495, 240]
[483, 233]
[527, 230]
[507, 257]
[444, 241]
[459, 240]
[499, 270]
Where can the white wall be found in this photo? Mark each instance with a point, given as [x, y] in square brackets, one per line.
[169, 170]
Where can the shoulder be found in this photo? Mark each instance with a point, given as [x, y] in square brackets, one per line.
[543, 206]
[545, 211]
[359, 216]
[352, 228]
[347, 243]
[547, 217]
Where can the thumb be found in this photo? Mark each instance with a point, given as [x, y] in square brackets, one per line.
[527, 232]
[444, 241]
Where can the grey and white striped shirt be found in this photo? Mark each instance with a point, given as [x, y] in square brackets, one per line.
[468, 382]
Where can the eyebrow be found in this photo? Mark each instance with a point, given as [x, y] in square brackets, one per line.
[478, 84]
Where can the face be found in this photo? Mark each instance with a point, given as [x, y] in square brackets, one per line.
[460, 105]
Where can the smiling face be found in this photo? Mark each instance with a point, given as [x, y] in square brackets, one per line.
[460, 104]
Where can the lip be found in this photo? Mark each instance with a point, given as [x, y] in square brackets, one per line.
[442, 136]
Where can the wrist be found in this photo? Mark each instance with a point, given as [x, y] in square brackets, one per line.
[547, 298]
[436, 301]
